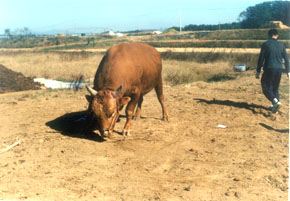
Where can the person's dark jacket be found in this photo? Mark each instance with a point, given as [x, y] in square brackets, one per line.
[271, 56]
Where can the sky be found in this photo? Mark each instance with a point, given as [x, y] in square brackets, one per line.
[95, 16]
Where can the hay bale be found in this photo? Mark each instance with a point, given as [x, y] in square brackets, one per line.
[278, 25]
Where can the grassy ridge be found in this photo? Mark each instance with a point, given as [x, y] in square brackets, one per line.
[214, 43]
[245, 34]
[61, 42]
[236, 34]
[92, 44]
[31, 42]
[239, 38]
[176, 44]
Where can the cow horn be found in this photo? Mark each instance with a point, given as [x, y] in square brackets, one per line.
[92, 91]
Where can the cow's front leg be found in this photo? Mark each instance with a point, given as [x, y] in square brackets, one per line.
[138, 110]
[129, 113]
[111, 130]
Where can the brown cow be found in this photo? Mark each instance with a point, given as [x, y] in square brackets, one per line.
[126, 73]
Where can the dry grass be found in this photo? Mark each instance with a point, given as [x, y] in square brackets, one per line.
[52, 65]
[180, 72]
[70, 66]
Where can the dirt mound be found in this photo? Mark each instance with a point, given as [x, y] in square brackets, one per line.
[12, 81]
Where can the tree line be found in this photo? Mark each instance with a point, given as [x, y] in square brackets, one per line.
[254, 17]
[260, 15]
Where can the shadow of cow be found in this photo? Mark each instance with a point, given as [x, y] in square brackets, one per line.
[73, 125]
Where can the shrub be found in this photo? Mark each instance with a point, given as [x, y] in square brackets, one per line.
[221, 77]
[179, 77]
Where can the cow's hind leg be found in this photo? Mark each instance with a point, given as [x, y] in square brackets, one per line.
[138, 110]
[160, 96]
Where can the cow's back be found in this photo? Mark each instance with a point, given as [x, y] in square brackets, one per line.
[132, 65]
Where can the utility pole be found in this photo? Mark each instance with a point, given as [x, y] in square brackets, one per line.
[180, 28]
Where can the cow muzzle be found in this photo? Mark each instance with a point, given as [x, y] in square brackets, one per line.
[109, 132]
[106, 133]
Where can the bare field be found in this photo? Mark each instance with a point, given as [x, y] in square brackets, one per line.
[187, 158]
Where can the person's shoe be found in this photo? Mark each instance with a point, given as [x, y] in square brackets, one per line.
[270, 108]
[276, 107]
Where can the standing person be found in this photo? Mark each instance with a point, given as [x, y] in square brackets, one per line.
[270, 58]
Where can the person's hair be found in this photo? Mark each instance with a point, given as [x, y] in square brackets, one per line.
[273, 32]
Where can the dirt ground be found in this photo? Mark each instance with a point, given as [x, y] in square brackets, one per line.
[187, 158]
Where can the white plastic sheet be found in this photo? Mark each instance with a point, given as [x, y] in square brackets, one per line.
[54, 84]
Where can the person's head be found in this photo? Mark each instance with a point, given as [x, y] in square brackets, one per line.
[273, 33]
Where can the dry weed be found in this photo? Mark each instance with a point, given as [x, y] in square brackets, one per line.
[70, 66]
[52, 65]
[180, 72]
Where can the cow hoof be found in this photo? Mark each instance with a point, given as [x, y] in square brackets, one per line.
[106, 134]
[165, 118]
[136, 118]
[126, 133]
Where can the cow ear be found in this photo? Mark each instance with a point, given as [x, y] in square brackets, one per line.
[124, 100]
[89, 98]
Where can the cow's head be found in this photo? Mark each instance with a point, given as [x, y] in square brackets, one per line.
[105, 105]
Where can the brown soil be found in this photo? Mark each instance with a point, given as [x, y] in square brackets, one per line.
[13, 81]
[188, 158]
